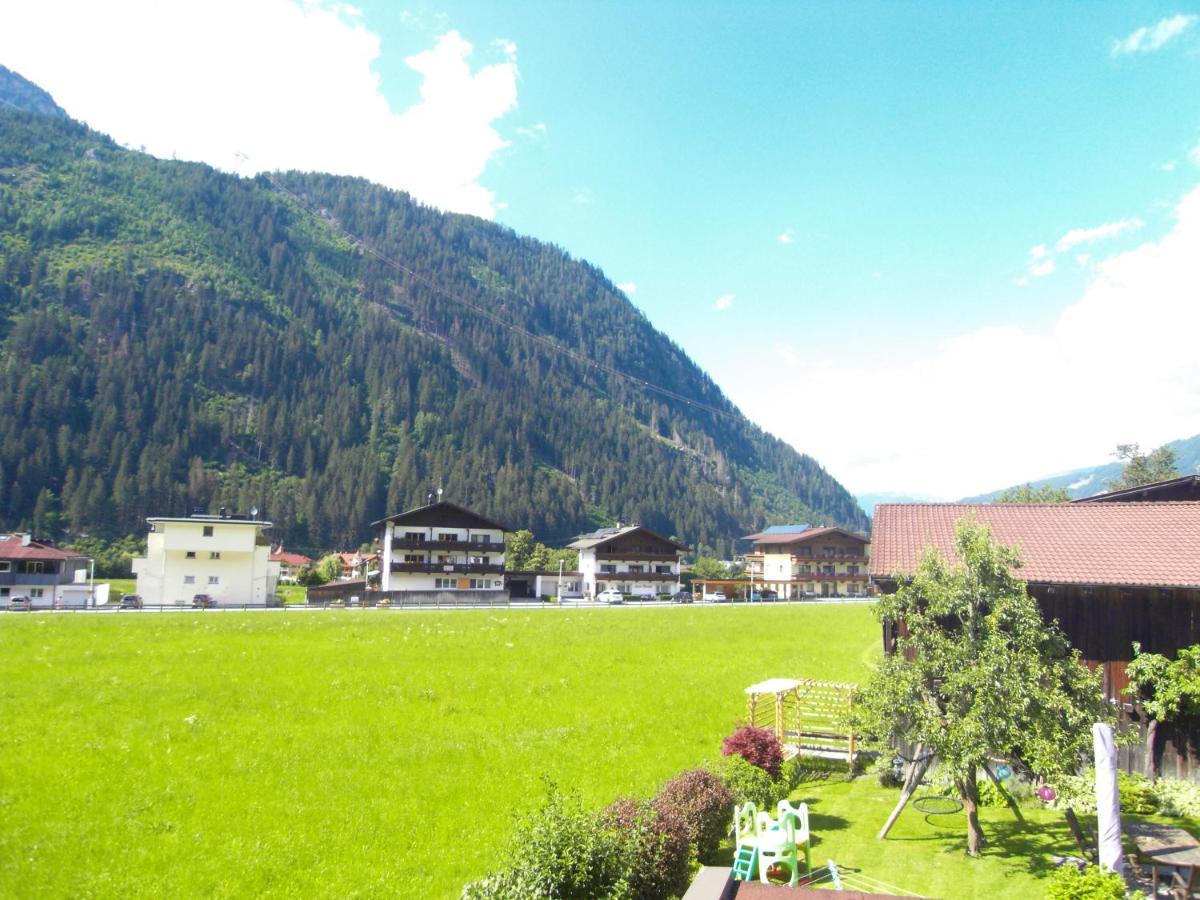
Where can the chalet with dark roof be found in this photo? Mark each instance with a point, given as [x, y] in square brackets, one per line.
[441, 547]
[630, 558]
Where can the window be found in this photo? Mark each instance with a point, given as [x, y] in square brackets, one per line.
[36, 593]
[806, 569]
[608, 568]
[445, 584]
[805, 551]
[32, 567]
[663, 570]
[213, 579]
[828, 552]
[413, 558]
[828, 570]
[414, 536]
[447, 536]
[208, 531]
[478, 584]
[4, 592]
[216, 554]
[5, 566]
[852, 570]
[189, 579]
[635, 569]
[191, 554]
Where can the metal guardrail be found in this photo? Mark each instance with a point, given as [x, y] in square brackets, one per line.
[513, 603]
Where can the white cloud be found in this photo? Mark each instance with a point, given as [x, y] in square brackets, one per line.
[787, 237]
[1005, 404]
[1077, 236]
[536, 131]
[723, 302]
[1168, 166]
[1041, 257]
[627, 287]
[1149, 38]
[1043, 268]
[583, 196]
[288, 85]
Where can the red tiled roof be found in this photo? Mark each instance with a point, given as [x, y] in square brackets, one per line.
[12, 548]
[1144, 544]
[290, 559]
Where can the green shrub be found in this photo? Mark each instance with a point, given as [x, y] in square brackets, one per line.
[560, 851]
[749, 783]
[1137, 794]
[883, 770]
[1079, 793]
[703, 804]
[657, 852]
[1093, 883]
[1177, 798]
[989, 794]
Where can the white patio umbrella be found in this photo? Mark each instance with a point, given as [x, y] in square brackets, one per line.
[1108, 803]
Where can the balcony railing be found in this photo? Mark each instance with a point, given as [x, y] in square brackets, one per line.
[401, 543]
[436, 568]
[636, 576]
[638, 555]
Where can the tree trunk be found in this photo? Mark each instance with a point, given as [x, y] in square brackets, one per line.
[1012, 804]
[1151, 735]
[968, 793]
[916, 771]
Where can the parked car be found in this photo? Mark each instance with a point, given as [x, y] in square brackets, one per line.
[610, 595]
[769, 596]
[19, 604]
[203, 601]
[130, 601]
[682, 597]
[715, 597]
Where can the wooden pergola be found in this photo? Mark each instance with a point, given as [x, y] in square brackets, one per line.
[807, 716]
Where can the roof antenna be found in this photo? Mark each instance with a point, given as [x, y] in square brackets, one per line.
[439, 495]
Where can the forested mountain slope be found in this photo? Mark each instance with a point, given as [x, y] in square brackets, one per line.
[175, 337]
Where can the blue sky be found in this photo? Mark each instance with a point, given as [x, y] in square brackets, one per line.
[931, 244]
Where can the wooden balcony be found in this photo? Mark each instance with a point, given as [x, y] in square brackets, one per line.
[436, 568]
[639, 556]
[636, 576]
[473, 544]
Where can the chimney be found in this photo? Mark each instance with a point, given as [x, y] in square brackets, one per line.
[25, 539]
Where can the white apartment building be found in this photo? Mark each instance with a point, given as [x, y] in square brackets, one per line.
[226, 557]
[441, 547]
[802, 561]
[630, 558]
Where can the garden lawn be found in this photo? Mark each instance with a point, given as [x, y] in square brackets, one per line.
[359, 752]
[927, 854]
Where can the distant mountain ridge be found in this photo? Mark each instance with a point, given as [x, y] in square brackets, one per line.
[176, 337]
[17, 92]
[868, 502]
[1093, 480]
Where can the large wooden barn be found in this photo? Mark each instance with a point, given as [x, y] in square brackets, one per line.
[1110, 573]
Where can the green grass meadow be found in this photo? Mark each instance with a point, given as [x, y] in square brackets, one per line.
[357, 752]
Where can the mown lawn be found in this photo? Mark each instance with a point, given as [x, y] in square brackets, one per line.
[926, 854]
[359, 752]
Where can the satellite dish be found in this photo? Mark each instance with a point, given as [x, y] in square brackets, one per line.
[254, 512]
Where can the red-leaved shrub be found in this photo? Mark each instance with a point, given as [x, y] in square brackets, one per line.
[757, 746]
[703, 804]
[656, 848]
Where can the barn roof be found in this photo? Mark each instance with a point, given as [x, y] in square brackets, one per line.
[1129, 544]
